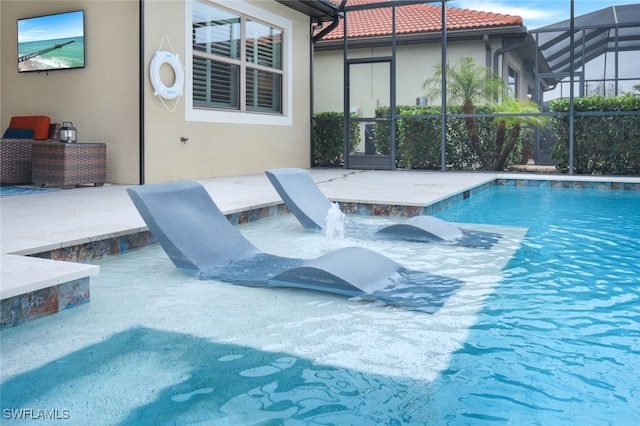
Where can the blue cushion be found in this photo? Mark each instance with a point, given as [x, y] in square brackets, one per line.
[12, 133]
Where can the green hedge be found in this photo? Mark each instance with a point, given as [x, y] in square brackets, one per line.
[328, 137]
[603, 144]
[418, 140]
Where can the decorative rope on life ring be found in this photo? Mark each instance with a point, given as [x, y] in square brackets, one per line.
[160, 58]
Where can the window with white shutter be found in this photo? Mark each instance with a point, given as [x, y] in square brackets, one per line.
[237, 61]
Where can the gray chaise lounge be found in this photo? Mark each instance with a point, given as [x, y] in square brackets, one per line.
[198, 238]
[310, 206]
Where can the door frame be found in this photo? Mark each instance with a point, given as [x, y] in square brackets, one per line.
[368, 161]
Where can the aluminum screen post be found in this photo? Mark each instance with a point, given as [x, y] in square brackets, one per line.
[443, 119]
[572, 113]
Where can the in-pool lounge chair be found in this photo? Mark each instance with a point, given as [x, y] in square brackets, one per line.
[310, 206]
[198, 238]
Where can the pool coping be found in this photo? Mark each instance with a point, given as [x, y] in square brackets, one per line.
[53, 277]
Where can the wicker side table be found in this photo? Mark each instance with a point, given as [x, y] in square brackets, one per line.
[69, 164]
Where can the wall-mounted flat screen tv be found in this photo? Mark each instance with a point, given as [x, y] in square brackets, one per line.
[51, 42]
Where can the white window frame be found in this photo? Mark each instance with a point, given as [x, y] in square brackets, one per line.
[516, 84]
[242, 117]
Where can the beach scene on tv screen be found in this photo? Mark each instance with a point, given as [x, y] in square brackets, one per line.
[51, 42]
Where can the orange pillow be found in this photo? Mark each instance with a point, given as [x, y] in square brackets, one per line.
[39, 124]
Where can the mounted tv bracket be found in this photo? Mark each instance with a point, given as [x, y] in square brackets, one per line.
[172, 59]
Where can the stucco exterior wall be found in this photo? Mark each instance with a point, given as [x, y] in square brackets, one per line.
[101, 100]
[216, 149]
[526, 81]
[415, 63]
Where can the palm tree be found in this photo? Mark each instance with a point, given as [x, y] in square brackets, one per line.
[471, 84]
[468, 84]
[504, 146]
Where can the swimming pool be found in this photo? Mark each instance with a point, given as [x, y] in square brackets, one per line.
[545, 331]
[558, 342]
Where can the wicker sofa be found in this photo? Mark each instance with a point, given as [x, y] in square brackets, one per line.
[16, 153]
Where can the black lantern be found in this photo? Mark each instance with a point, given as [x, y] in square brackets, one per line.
[68, 133]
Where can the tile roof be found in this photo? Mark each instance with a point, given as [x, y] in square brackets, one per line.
[415, 19]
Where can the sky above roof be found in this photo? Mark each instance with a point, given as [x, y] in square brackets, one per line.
[538, 13]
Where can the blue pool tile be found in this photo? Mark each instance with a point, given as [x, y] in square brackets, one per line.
[73, 293]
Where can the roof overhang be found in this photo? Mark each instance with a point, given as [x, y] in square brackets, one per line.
[425, 37]
[320, 10]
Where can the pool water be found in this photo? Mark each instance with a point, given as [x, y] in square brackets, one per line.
[558, 342]
[158, 346]
[546, 330]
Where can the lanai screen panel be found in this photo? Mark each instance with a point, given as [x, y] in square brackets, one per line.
[615, 28]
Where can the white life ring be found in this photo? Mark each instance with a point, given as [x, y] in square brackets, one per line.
[159, 89]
